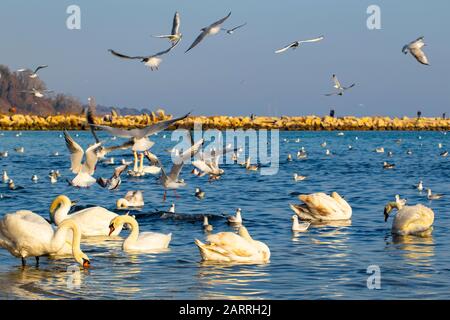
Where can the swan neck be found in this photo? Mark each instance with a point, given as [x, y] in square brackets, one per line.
[60, 236]
[134, 234]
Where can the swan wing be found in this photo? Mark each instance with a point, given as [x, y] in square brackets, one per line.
[233, 243]
[94, 221]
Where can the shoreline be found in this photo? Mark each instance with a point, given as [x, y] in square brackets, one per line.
[284, 123]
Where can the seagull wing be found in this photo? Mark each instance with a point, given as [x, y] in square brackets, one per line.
[176, 24]
[167, 50]
[76, 153]
[337, 84]
[419, 55]
[219, 22]
[123, 56]
[331, 94]
[119, 170]
[40, 67]
[90, 118]
[151, 157]
[160, 126]
[91, 159]
[418, 43]
[198, 40]
[235, 28]
[123, 146]
[350, 86]
[287, 47]
[119, 132]
[175, 172]
[313, 40]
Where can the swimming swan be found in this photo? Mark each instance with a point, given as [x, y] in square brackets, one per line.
[231, 247]
[92, 221]
[25, 234]
[139, 242]
[414, 220]
[322, 207]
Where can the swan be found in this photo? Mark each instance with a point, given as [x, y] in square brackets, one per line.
[237, 219]
[322, 207]
[139, 242]
[414, 220]
[231, 247]
[92, 221]
[25, 234]
[133, 199]
[299, 227]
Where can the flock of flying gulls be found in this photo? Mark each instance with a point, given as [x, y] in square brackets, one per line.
[25, 234]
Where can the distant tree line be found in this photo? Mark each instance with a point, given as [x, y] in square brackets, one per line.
[13, 99]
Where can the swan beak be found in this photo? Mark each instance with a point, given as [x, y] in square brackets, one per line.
[111, 229]
[86, 263]
[386, 215]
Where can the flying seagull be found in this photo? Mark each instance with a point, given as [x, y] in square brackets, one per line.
[34, 73]
[175, 35]
[115, 181]
[171, 180]
[210, 30]
[415, 48]
[339, 87]
[152, 61]
[37, 93]
[296, 44]
[139, 136]
[231, 31]
[83, 171]
[102, 151]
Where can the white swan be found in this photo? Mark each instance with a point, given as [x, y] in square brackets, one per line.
[92, 221]
[413, 220]
[322, 207]
[25, 234]
[139, 242]
[231, 247]
[133, 199]
[299, 227]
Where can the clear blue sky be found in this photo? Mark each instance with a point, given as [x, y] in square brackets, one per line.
[238, 74]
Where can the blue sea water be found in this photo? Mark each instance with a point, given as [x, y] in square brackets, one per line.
[326, 262]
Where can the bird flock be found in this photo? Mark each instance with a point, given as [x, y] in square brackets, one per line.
[26, 234]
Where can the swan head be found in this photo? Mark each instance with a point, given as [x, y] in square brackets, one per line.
[122, 203]
[82, 259]
[388, 208]
[60, 201]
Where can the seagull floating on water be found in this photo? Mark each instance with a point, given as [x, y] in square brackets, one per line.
[434, 196]
[299, 227]
[296, 44]
[237, 218]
